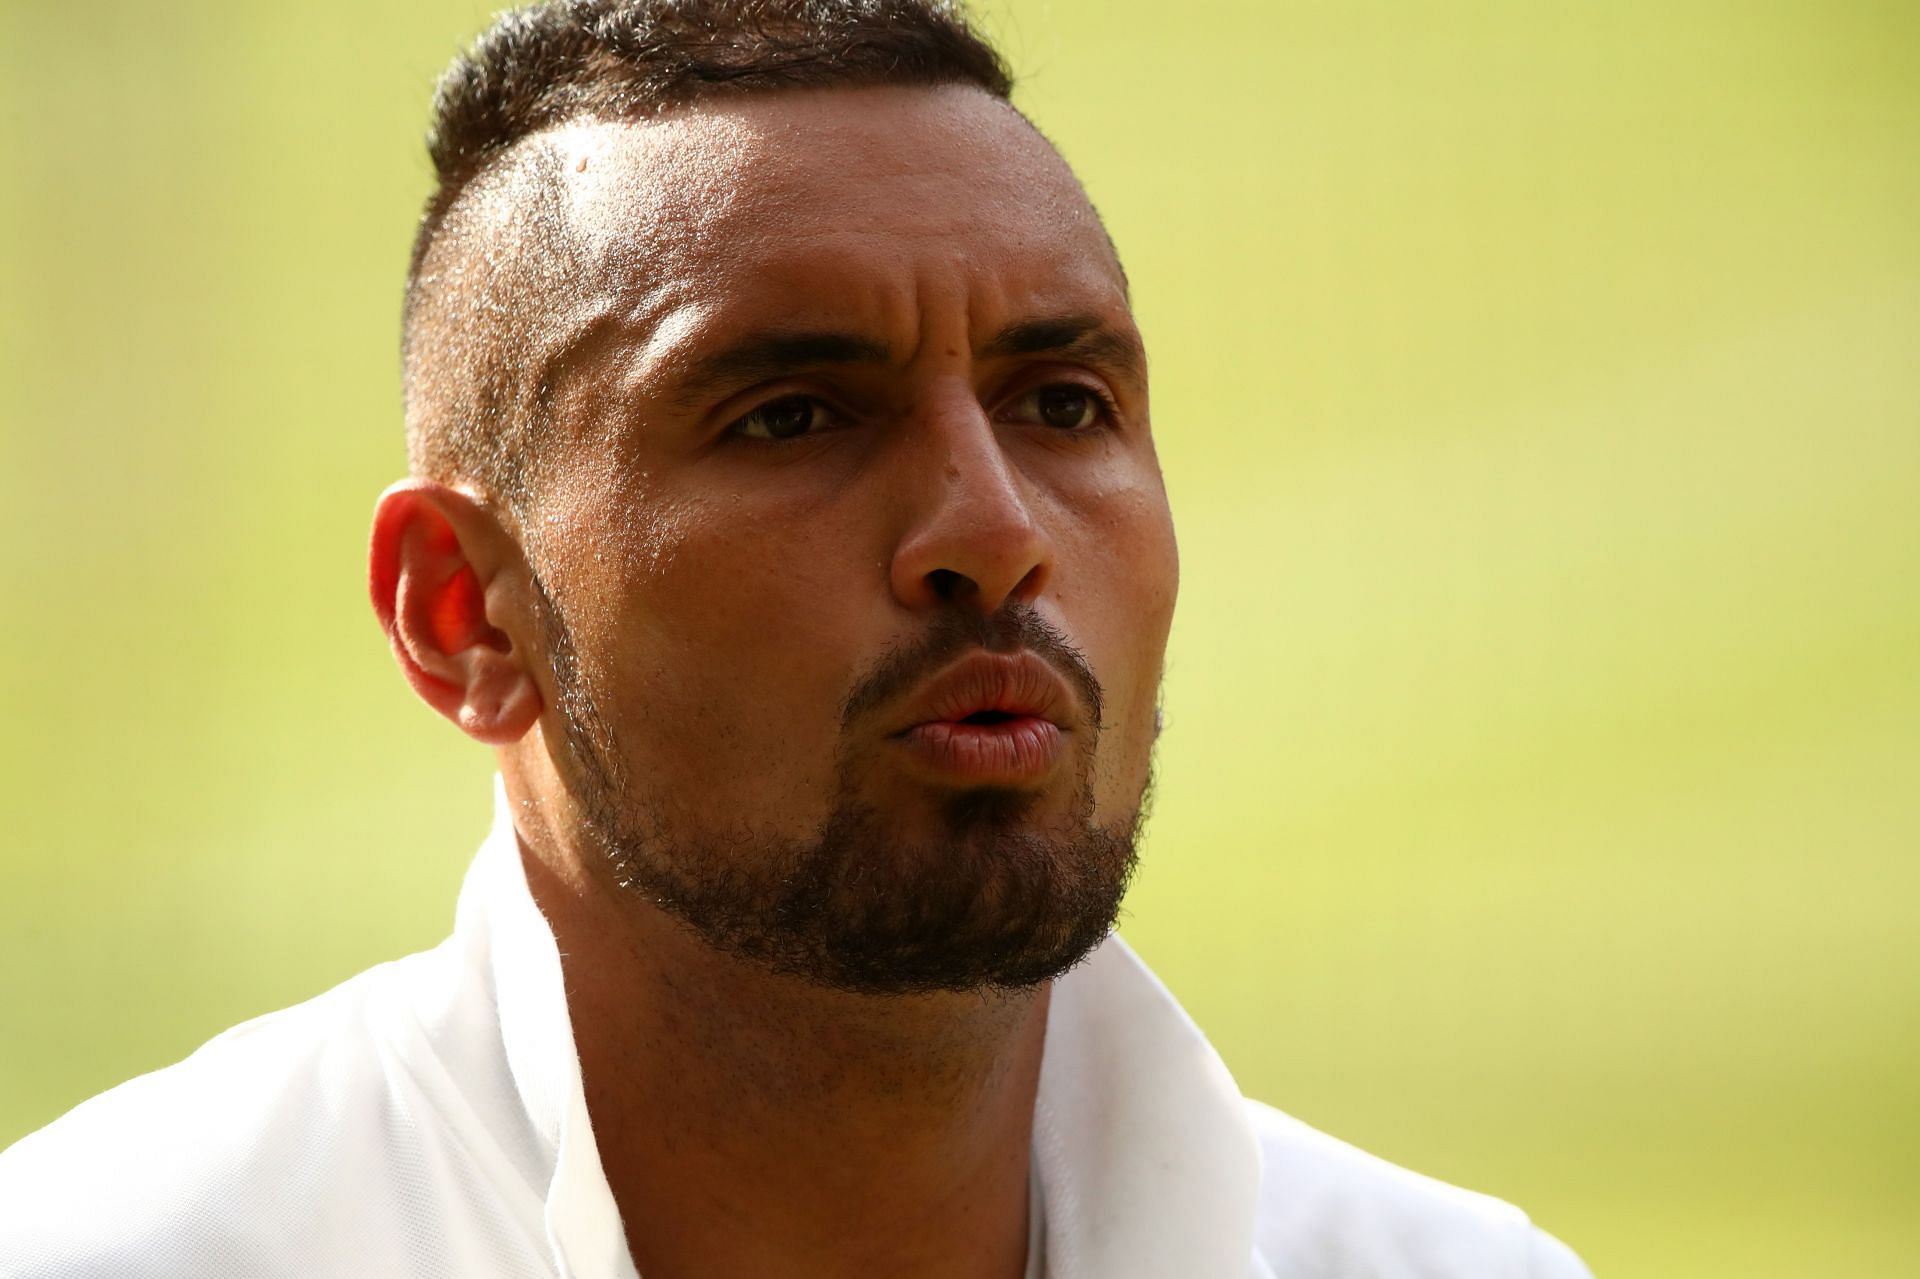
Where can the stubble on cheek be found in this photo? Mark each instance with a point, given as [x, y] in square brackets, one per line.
[701, 650]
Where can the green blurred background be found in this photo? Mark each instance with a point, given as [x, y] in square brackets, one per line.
[1539, 390]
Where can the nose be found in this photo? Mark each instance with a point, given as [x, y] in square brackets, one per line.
[971, 539]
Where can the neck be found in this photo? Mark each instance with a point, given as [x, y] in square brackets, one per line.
[752, 1123]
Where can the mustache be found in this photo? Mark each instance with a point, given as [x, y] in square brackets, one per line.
[955, 632]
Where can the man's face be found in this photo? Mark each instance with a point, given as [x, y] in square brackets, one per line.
[858, 563]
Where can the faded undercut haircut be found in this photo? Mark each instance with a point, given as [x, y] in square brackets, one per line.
[492, 256]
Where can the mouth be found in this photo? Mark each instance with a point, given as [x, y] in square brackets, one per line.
[989, 720]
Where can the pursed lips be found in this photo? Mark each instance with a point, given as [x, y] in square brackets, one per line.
[989, 719]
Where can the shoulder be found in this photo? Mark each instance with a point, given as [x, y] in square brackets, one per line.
[1328, 1208]
[283, 1137]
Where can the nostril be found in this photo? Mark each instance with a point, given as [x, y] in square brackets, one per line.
[947, 584]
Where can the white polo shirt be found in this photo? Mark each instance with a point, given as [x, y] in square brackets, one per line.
[426, 1119]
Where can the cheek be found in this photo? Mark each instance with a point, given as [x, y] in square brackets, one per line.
[720, 662]
[1119, 569]
[1116, 588]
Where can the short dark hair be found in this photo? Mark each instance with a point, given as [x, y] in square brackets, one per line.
[553, 63]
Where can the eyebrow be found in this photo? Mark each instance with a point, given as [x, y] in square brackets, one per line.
[762, 357]
[1082, 336]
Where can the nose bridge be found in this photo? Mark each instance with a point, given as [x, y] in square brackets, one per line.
[973, 466]
[971, 531]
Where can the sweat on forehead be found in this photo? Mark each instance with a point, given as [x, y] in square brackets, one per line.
[752, 177]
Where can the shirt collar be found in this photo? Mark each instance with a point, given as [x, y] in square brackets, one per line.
[516, 945]
[1145, 1158]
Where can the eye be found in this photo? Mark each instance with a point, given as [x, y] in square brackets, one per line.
[1064, 406]
[786, 418]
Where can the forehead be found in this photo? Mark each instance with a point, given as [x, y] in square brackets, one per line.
[831, 200]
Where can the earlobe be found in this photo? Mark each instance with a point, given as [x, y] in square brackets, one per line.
[433, 551]
[499, 707]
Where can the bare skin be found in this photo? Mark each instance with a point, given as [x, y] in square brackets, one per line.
[724, 580]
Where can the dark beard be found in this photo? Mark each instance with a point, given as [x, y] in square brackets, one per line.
[991, 905]
[994, 902]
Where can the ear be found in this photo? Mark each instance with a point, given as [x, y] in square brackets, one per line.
[434, 562]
